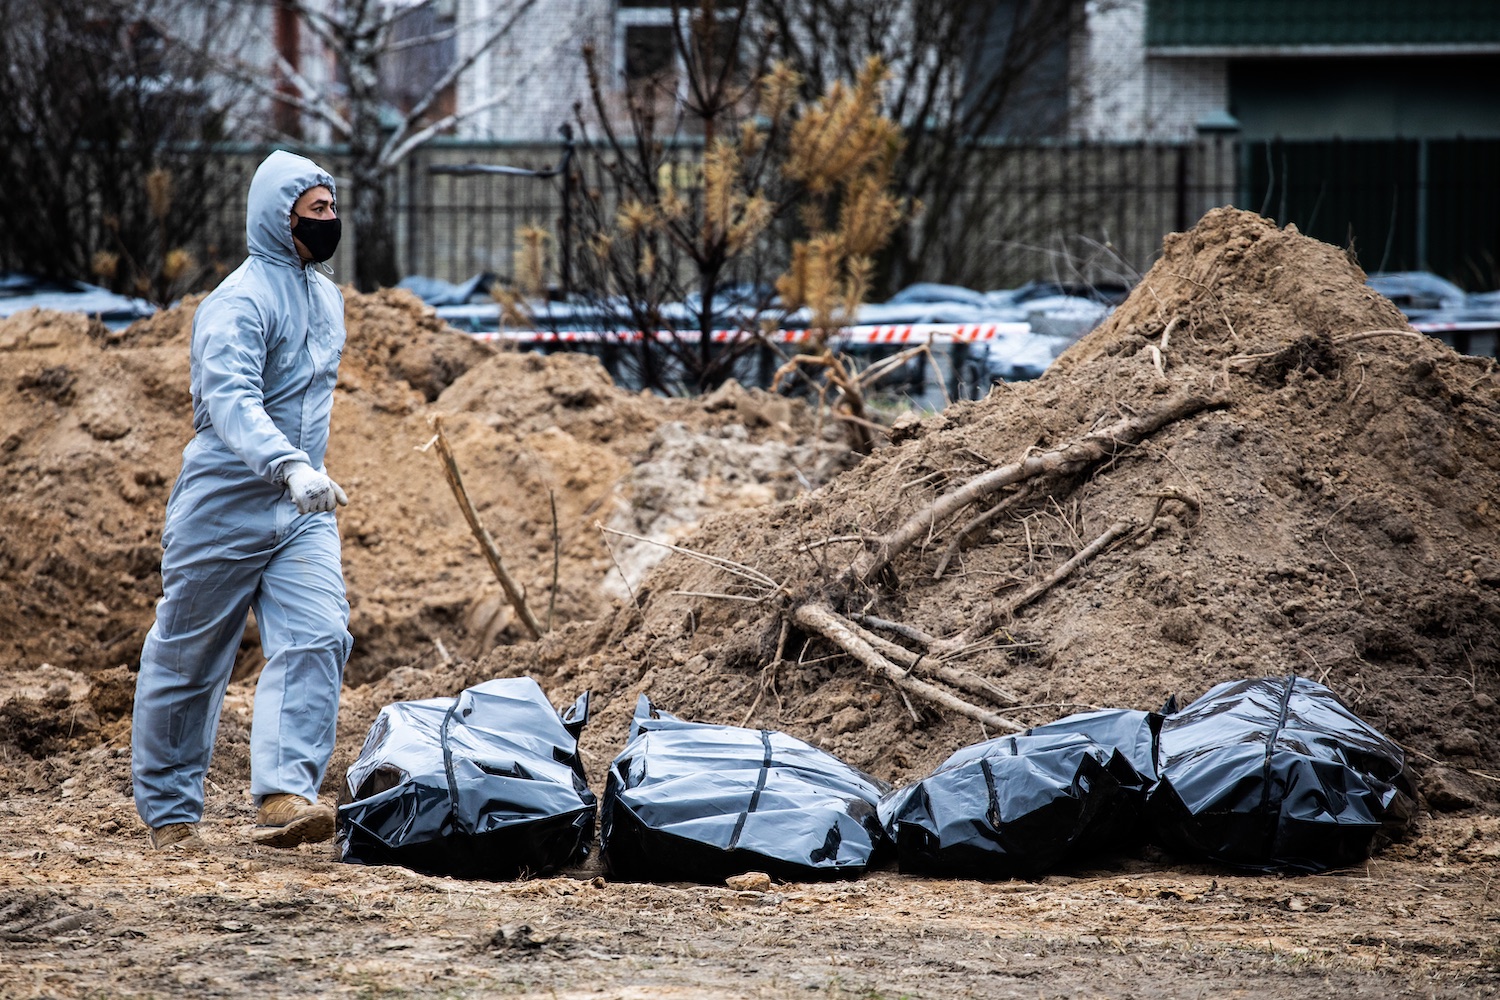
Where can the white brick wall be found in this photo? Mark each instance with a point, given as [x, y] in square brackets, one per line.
[536, 71]
[1122, 95]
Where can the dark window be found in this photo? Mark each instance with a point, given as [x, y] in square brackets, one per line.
[646, 46]
[650, 51]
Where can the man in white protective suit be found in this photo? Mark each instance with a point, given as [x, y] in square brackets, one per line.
[250, 524]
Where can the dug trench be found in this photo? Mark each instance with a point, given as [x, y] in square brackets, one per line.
[1326, 507]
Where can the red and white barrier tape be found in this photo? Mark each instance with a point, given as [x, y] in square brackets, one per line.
[904, 334]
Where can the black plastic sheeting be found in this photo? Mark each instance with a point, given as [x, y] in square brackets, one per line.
[1014, 807]
[1134, 734]
[688, 801]
[486, 785]
[1276, 774]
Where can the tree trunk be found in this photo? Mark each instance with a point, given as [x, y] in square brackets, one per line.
[375, 243]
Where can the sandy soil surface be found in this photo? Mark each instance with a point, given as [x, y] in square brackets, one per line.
[85, 911]
[1332, 514]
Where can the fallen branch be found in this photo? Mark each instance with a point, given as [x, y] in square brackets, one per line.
[838, 630]
[556, 559]
[1071, 458]
[1351, 338]
[513, 593]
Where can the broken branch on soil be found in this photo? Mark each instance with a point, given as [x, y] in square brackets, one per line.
[831, 540]
[711, 595]
[513, 593]
[838, 630]
[1350, 338]
[556, 558]
[1071, 458]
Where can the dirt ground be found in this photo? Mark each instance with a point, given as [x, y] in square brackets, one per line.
[1333, 514]
[86, 912]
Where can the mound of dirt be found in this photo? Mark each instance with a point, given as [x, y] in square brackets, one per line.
[94, 422]
[1332, 512]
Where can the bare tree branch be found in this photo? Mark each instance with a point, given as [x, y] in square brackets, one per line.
[461, 66]
[1072, 457]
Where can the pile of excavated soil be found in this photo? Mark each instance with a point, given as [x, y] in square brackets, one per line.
[93, 422]
[1337, 517]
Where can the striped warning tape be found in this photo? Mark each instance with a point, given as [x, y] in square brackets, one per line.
[908, 334]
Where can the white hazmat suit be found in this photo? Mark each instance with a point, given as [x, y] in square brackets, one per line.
[265, 354]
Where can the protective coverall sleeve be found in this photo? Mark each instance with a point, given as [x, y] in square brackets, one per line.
[232, 364]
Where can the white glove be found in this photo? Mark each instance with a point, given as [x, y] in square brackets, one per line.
[311, 490]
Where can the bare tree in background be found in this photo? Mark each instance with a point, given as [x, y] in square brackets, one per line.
[674, 226]
[966, 75]
[376, 113]
[106, 172]
[727, 188]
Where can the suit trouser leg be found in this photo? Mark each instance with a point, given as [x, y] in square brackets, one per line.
[185, 667]
[303, 617]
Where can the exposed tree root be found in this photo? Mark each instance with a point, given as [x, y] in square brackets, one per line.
[986, 622]
[923, 663]
[899, 628]
[842, 633]
[850, 394]
[1071, 458]
[974, 524]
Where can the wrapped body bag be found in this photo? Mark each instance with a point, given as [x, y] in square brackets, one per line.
[485, 785]
[694, 802]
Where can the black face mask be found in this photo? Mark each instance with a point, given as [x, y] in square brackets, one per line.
[320, 236]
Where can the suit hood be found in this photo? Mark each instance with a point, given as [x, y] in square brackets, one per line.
[279, 181]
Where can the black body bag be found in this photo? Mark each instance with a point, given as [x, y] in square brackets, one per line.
[1014, 807]
[692, 802]
[486, 785]
[1276, 774]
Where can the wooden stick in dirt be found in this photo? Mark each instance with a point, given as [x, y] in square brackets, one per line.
[835, 628]
[1073, 457]
[486, 542]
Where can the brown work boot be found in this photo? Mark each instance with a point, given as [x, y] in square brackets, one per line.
[286, 820]
[181, 835]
